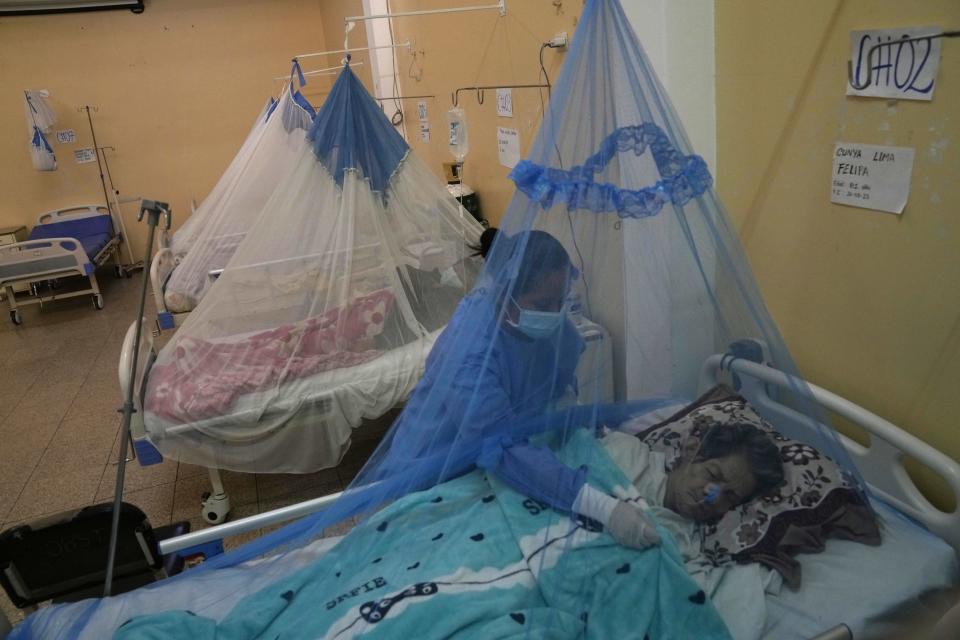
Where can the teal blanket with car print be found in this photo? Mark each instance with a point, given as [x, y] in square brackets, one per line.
[471, 558]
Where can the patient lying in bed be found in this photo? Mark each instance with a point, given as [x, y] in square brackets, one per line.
[729, 466]
[683, 498]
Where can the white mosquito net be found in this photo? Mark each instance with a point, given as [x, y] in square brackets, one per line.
[186, 234]
[325, 313]
[207, 241]
[548, 477]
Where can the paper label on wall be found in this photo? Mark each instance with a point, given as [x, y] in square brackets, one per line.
[424, 132]
[85, 155]
[871, 176]
[422, 111]
[505, 103]
[508, 144]
[67, 136]
[903, 70]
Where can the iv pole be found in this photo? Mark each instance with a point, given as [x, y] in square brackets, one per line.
[154, 211]
[103, 184]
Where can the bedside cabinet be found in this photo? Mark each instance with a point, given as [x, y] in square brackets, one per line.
[9, 235]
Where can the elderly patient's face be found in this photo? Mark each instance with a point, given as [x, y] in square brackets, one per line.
[689, 484]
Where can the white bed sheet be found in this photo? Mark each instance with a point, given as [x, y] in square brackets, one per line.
[857, 585]
[329, 405]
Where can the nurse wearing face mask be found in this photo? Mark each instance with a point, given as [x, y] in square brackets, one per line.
[517, 358]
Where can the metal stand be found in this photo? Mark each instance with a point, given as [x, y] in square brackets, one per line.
[154, 211]
[101, 165]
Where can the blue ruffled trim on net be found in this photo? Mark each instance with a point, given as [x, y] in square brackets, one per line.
[683, 177]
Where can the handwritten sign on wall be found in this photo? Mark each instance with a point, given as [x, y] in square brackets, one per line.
[67, 136]
[871, 176]
[901, 70]
[85, 155]
[508, 146]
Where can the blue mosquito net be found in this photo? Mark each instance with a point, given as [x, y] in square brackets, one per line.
[548, 476]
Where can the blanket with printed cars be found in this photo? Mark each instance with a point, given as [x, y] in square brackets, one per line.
[471, 558]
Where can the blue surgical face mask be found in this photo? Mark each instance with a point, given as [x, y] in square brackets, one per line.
[538, 325]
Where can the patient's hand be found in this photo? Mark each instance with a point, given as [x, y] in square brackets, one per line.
[631, 527]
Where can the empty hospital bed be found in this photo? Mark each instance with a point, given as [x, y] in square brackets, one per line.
[66, 242]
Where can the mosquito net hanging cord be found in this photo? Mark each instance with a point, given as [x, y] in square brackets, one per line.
[773, 166]
[476, 80]
[486, 49]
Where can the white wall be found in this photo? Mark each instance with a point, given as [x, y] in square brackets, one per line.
[678, 37]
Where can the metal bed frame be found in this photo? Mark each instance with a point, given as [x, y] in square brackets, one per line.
[47, 259]
[880, 463]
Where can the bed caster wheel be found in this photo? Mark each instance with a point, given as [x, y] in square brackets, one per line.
[215, 509]
[16, 318]
[97, 301]
[120, 272]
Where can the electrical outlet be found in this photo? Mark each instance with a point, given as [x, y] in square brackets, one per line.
[559, 41]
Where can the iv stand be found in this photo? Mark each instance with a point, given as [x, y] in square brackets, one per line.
[103, 184]
[154, 211]
[134, 264]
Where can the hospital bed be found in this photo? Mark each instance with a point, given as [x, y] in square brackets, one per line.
[308, 423]
[847, 584]
[65, 242]
[330, 406]
[161, 268]
[173, 307]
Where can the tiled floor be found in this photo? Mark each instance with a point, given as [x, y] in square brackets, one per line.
[59, 426]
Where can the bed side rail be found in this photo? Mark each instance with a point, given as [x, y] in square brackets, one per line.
[880, 464]
[33, 259]
[137, 428]
[160, 269]
[72, 213]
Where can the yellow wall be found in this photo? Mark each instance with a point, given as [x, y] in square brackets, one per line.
[868, 302]
[479, 48]
[177, 87]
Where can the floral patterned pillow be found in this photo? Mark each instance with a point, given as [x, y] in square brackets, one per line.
[816, 501]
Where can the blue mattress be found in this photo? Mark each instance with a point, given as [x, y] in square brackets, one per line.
[94, 244]
[93, 232]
